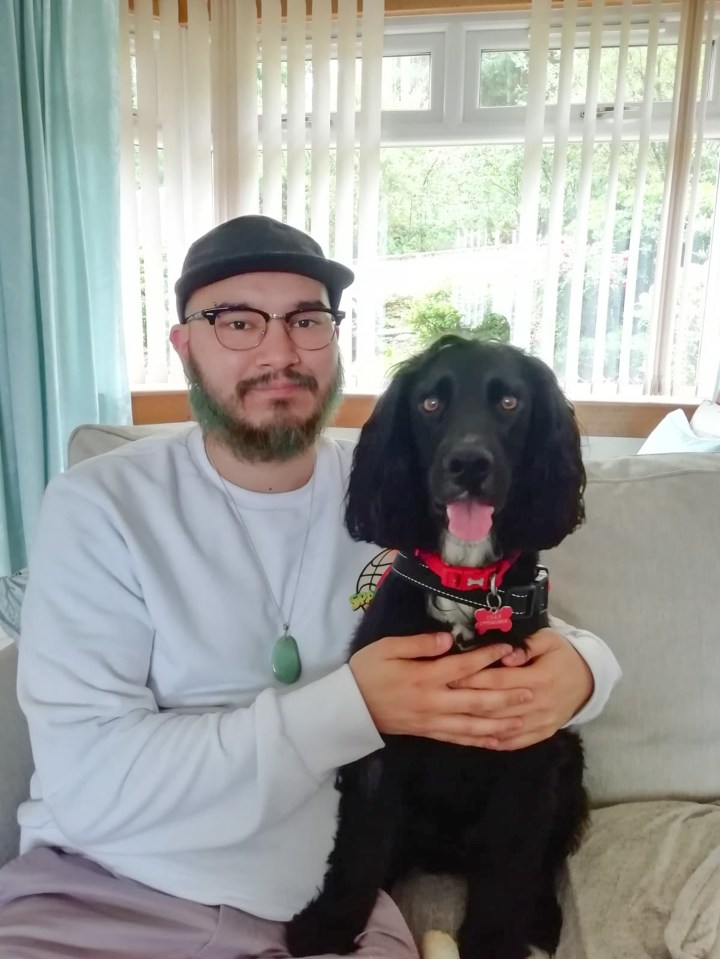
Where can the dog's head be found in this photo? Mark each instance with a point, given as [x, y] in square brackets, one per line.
[472, 437]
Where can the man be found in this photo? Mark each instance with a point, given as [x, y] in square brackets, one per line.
[182, 665]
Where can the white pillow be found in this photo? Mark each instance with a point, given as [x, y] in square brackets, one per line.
[706, 420]
[674, 434]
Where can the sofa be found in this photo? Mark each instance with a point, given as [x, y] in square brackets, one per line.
[644, 573]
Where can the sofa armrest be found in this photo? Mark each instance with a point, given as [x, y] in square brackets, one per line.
[16, 763]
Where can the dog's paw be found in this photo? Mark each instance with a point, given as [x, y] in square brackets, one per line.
[544, 931]
[309, 934]
[463, 635]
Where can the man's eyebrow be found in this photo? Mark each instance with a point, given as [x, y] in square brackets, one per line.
[312, 305]
[301, 305]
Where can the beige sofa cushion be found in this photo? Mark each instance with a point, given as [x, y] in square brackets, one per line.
[645, 884]
[91, 439]
[644, 574]
[15, 755]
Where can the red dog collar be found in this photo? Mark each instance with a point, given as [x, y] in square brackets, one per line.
[467, 577]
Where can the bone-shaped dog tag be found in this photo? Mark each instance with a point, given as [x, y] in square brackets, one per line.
[488, 619]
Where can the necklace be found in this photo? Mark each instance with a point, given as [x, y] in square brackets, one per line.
[285, 659]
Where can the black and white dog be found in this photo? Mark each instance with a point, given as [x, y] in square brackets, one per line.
[470, 465]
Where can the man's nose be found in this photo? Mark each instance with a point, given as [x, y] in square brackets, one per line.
[276, 349]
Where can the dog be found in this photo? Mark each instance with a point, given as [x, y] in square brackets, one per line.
[469, 466]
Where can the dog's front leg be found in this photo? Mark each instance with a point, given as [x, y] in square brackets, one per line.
[511, 844]
[358, 866]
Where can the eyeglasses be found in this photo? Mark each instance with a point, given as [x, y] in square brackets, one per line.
[239, 328]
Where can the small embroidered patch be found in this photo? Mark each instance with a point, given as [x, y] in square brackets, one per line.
[362, 599]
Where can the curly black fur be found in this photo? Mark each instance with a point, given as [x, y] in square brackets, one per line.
[485, 421]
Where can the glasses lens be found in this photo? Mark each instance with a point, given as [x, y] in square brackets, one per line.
[240, 329]
[311, 329]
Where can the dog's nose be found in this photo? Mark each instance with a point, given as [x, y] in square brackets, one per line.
[468, 462]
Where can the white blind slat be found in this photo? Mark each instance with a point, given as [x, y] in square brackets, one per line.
[598, 374]
[198, 184]
[170, 118]
[224, 114]
[150, 228]
[583, 198]
[320, 125]
[369, 182]
[532, 166]
[246, 109]
[170, 114]
[129, 243]
[557, 188]
[271, 41]
[662, 323]
[295, 127]
[641, 169]
[689, 235]
[345, 148]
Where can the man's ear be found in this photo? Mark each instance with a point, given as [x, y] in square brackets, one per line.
[180, 340]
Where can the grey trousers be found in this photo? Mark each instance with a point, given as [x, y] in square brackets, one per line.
[54, 904]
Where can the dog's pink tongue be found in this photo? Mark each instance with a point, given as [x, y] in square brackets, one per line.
[468, 519]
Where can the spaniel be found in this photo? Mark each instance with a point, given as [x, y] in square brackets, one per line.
[470, 465]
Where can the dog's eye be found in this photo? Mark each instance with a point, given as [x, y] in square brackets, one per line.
[431, 404]
[509, 403]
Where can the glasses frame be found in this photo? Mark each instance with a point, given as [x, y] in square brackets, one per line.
[214, 312]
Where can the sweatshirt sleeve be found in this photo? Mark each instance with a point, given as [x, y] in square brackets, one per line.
[112, 767]
[602, 663]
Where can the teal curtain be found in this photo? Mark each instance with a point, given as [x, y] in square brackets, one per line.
[61, 344]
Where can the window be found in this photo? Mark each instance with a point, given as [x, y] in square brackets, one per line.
[565, 211]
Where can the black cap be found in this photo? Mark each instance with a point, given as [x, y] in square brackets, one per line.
[257, 244]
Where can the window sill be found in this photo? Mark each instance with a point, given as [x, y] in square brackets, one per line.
[633, 418]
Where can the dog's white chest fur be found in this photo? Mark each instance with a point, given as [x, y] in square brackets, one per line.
[459, 616]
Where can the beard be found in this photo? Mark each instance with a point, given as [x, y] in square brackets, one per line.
[286, 437]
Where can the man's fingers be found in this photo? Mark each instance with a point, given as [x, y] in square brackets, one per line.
[503, 704]
[473, 727]
[421, 646]
[518, 657]
[450, 669]
[482, 742]
[524, 739]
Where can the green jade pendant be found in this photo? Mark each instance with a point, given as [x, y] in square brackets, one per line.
[285, 660]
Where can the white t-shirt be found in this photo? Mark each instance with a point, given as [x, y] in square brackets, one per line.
[164, 748]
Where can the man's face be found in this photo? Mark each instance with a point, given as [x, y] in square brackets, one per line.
[269, 402]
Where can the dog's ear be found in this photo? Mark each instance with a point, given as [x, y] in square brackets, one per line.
[547, 498]
[385, 501]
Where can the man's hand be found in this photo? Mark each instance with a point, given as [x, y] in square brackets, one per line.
[556, 676]
[410, 691]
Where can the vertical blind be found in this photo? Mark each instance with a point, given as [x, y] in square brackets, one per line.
[229, 114]
[684, 136]
[267, 107]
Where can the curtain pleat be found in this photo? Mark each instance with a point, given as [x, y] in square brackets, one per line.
[61, 338]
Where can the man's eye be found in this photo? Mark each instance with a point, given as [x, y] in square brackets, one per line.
[509, 403]
[431, 404]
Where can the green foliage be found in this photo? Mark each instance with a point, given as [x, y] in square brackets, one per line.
[494, 326]
[429, 317]
[432, 316]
